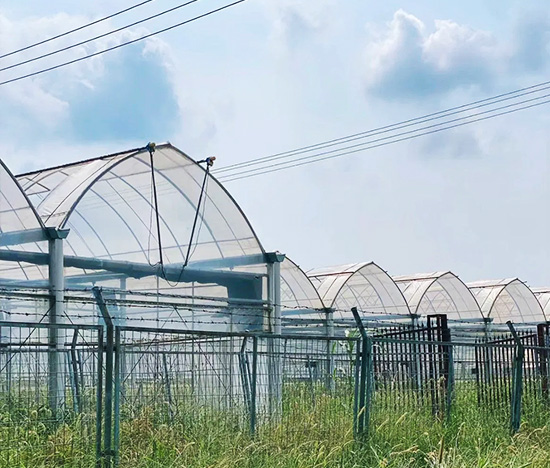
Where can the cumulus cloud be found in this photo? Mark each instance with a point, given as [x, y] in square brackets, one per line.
[117, 96]
[407, 60]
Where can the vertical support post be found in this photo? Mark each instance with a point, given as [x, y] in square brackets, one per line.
[275, 386]
[167, 387]
[253, 385]
[517, 381]
[56, 390]
[122, 322]
[245, 376]
[542, 343]
[109, 368]
[365, 379]
[329, 323]
[99, 399]
[448, 365]
[119, 359]
[75, 374]
[417, 373]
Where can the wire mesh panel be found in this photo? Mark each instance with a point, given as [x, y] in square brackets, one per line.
[432, 381]
[48, 396]
[187, 387]
[305, 389]
[179, 387]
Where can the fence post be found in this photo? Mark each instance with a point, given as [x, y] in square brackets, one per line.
[99, 398]
[109, 371]
[118, 391]
[517, 380]
[329, 322]
[253, 385]
[448, 365]
[365, 380]
[73, 372]
[542, 342]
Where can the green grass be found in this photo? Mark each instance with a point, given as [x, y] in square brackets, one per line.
[314, 429]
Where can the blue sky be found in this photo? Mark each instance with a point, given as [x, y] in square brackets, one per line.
[272, 75]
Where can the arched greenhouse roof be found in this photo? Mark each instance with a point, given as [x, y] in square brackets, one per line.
[20, 227]
[297, 289]
[16, 211]
[543, 296]
[363, 285]
[107, 203]
[507, 299]
[302, 307]
[439, 293]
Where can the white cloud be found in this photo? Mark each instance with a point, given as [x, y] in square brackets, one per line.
[46, 106]
[406, 60]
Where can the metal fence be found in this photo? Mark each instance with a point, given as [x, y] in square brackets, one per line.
[106, 395]
[50, 395]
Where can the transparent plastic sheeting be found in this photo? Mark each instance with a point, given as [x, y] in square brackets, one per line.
[301, 305]
[543, 296]
[108, 205]
[439, 293]
[362, 285]
[507, 299]
[16, 216]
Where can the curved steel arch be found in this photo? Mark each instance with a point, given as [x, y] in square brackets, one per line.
[23, 193]
[543, 296]
[23, 224]
[306, 282]
[75, 194]
[332, 291]
[427, 282]
[494, 291]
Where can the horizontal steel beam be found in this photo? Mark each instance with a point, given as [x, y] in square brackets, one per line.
[173, 272]
[23, 237]
[241, 260]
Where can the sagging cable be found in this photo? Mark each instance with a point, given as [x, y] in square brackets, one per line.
[151, 149]
[209, 163]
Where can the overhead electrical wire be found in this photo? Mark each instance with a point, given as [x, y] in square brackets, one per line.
[388, 128]
[380, 142]
[100, 36]
[123, 44]
[80, 28]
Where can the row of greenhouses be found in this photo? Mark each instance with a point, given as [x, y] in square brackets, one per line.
[169, 247]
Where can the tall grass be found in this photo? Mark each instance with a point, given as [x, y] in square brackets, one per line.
[312, 429]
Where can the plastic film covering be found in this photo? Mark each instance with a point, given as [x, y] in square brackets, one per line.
[297, 290]
[108, 205]
[507, 299]
[363, 285]
[301, 305]
[17, 215]
[439, 293]
[543, 296]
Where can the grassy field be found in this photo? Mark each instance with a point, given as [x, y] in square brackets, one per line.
[315, 430]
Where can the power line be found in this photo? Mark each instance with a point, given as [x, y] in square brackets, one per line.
[133, 41]
[396, 126]
[80, 28]
[319, 157]
[100, 36]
